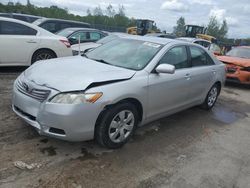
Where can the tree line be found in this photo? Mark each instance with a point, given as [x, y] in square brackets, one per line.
[214, 28]
[109, 16]
[114, 18]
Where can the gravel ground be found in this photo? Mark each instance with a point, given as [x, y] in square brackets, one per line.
[191, 149]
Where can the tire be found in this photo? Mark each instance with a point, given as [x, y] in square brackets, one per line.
[212, 97]
[42, 55]
[112, 131]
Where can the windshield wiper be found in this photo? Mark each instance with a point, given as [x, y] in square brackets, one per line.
[102, 61]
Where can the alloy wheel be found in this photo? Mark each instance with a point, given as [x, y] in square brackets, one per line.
[121, 126]
[212, 96]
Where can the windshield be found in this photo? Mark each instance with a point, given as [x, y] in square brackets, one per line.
[107, 39]
[240, 52]
[126, 53]
[65, 32]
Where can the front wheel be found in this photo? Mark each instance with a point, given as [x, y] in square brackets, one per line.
[211, 97]
[117, 125]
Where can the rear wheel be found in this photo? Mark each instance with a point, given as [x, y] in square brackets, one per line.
[117, 125]
[42, 55]
[211, 97]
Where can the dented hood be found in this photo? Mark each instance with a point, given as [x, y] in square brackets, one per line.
[74, 73]
[243, 62]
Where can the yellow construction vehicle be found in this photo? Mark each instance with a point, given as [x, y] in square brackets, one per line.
[143, 27]
[199, 32]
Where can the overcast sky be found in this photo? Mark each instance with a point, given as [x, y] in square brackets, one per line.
[166, 12]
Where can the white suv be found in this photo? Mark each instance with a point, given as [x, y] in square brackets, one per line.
[22, 43]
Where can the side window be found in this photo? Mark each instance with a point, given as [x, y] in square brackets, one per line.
[11, 28]
[18, 17]
[75, 37]
[95, 36]
[64, 25]
[199, 57]
[50, 26]
[206, 44]
[176, 56]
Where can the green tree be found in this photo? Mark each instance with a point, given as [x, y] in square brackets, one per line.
[179, 29]
[216, 29]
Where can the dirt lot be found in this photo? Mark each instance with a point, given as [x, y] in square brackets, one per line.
[194, 148]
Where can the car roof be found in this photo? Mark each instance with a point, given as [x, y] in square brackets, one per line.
[158, 40]
[191, 39]
[56, 19]
[19, 14]
[79, 28]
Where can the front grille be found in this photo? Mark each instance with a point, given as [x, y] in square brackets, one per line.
[38, 94]
[231, 70]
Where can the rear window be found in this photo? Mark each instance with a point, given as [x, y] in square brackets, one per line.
[11, 28]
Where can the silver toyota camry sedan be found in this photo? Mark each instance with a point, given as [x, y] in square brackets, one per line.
[111, 90]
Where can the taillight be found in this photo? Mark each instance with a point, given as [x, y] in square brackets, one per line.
[66, 43]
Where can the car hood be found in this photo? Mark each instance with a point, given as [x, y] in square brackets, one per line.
[235, 60]
[74, 73]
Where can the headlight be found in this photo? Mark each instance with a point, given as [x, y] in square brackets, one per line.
[76, 98]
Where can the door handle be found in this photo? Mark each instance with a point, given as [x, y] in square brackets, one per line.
[214, 71]
[31, 41]
[187, 76]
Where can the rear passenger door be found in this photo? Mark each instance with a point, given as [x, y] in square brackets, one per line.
[202, 74]
[18, 42]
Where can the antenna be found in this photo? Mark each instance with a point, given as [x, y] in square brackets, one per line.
[79, 46]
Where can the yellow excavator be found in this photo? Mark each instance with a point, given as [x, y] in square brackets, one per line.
[199, 32]
[143, 27]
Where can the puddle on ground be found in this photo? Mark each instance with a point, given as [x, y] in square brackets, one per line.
[226, 115]
[86, 155]
[49, 150]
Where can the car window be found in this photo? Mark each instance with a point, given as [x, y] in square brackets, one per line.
[214, 48]
[126, 53]
[206, 44]
[50, 26]
[95, 36]
[64, 25]
[199, 57]
[176, 56]
[18, 17]
[11, 28]
[75, 37]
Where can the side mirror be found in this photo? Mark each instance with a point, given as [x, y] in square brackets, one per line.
[165, 68]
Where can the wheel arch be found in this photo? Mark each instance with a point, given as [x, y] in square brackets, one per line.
[40, 49]
[131, 100]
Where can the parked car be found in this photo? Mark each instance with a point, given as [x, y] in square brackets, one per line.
[55, 25]
[112, 89]
[84, 47]
[212, 47]
[23, 43]
[85, 34]
[161, 35]
[23, 17]
[202, 42]
[237, 63]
